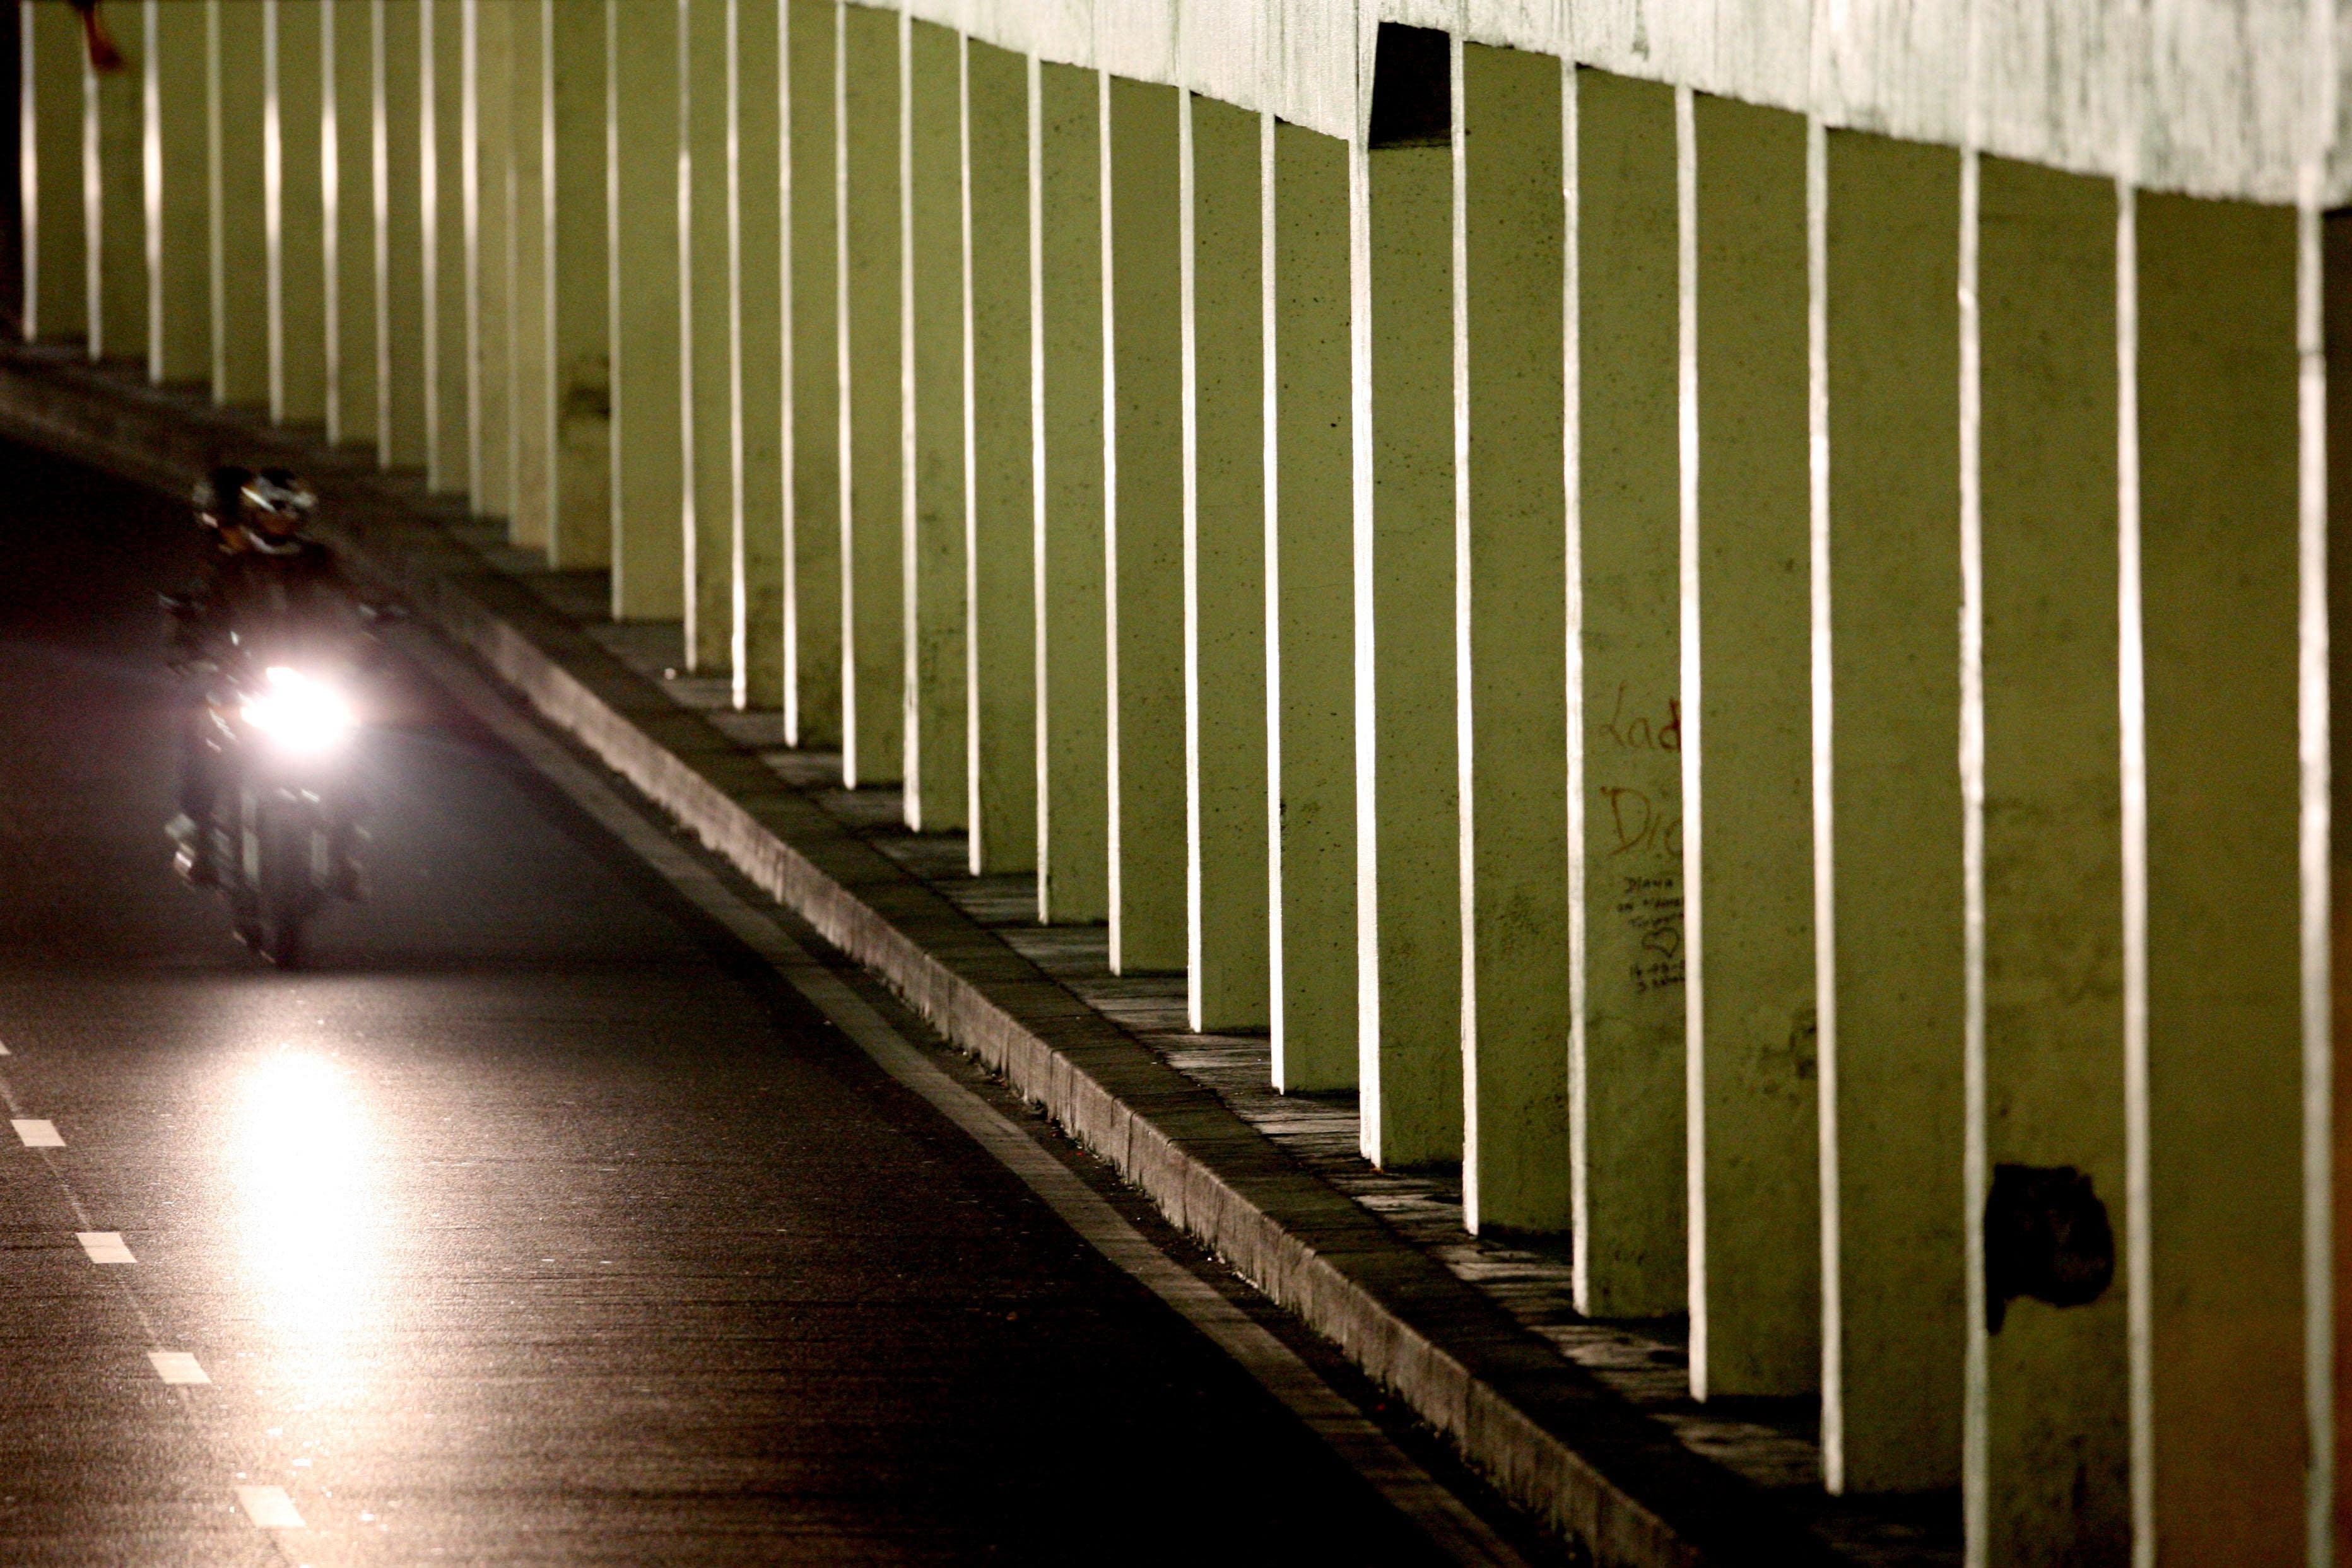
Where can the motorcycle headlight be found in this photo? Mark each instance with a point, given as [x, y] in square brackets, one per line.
[298, 712]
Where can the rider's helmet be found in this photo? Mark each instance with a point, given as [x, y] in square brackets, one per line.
[278, 507]
[219, 495]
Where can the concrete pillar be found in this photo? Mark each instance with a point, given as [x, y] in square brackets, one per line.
[1887, 842]
[2219, 1254]
[579, 408]
[873, 463]
[49, 170]
[1000, 552]
[239, 247]
[2047, 1386]
[1511, 635]
[175, 152]
[1143, 554]
[399, 184]
[1309, 594]
[706, 314]
[1754, 1117]
[755, 210]
[486, 164]
[1626, 1038]
[347, 220]
[932, 376]
[442, 186]
[530, 375]
[1066, 248]
[1408, 846]
[811, 453]
[292, 105]
[1224, 254]
[113, 209]
[649, 484]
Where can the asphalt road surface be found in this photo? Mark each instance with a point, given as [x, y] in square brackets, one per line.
[537, 1221]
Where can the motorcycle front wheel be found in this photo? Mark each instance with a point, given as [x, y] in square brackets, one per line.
[284, 886]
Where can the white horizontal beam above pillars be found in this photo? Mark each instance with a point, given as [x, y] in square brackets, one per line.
[2206, 95]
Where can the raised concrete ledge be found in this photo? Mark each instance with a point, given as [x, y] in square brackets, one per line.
[1543, 1430]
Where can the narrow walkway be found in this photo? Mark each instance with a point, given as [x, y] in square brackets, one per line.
[1772, 1443]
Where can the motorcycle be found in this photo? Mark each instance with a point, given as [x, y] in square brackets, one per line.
[283, 831]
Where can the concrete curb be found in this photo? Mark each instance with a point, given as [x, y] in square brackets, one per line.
[1543, 1431]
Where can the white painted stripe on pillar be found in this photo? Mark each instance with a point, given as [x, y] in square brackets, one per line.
[1188, 370]
[691, 515]
[428, 223]
[1974, 1173]
[1817, 424]
[93, 215]
[1694, 950]
[380, 200]
[1580, 1143]
[739, 575]
[1038, 600]
[269, 1508]
[104, 1246]
[331, 210]
[2131, 696]
[28, 169]
[2318, 829]
[273, 208]
[151, 159]
[470, 218]
[36, 1135]
[178, 1367]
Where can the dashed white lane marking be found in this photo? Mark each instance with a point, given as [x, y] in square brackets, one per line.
[104, 1246]
[37, 1135]
[269, 1508]
[176, 1366]
[1361, 1443]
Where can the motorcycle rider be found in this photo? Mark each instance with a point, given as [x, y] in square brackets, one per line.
[267, 581]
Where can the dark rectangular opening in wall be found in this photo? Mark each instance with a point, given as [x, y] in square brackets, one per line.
[1412, 87]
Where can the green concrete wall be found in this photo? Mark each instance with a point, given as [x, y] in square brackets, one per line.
[1755, 1141]
[399, 240]
[1408, 867]
[441, 152]
[486, 166]
[1224, 566]
[179, 282]
[347, 216]
[114, 205]
[1144, 524]
[1000, 552]
[56, 278]
[2218, 584]
[239, 250]
[292, 109]
[706, 327]
[1627, 1044]
[873, 555]
[1891, 1003]
[531, 377]
[649, 484]
[1511, 639]
[2051, 1484]
[1067, 314]
[580, 468]
[755, 281]
[938, 784]
[1310, 628]
[812, 457]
